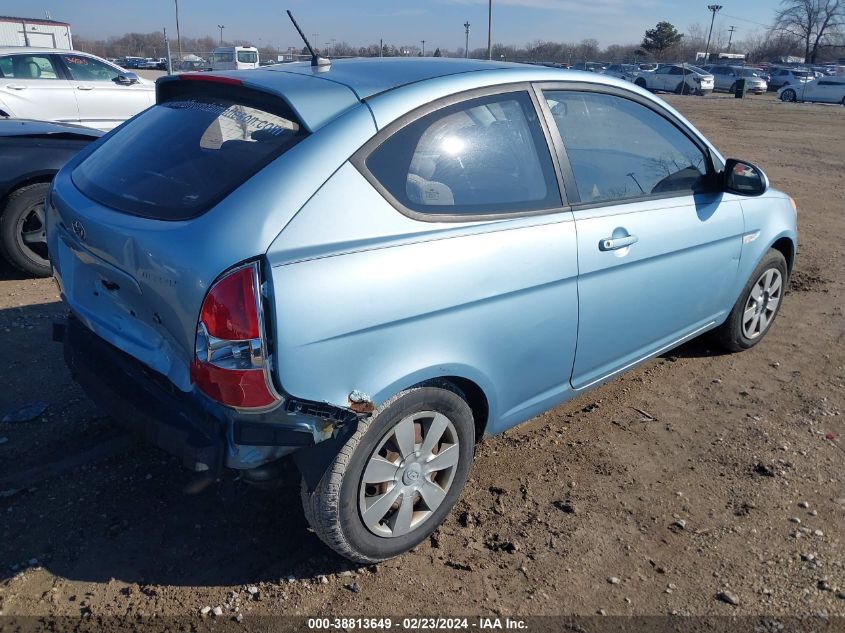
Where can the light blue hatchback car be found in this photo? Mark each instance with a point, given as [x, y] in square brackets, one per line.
[370, 265]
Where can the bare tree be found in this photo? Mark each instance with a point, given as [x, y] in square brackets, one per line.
[812, 21]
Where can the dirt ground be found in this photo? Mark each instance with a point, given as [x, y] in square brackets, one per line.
[693, 475]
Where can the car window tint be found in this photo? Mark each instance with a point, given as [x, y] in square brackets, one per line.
[28, 67]
[84, 68]
[247, 57]
[178, 158]
[487, 155]
[620, 149]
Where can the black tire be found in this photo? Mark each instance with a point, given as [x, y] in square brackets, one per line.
[732, 89]
[24, 215]
[731, 335]
[788, 96]
[640, 82]
[682, 88]
[332, 509]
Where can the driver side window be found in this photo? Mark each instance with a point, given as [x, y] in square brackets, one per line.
[621, 150]
[84, 68]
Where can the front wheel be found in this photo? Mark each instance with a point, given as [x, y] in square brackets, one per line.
[640, 82]
[788, 95]
[398, 476]
[758, 305]
[732, 89]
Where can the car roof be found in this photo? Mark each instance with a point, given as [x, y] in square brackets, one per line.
[35, 50]
[368, 76]
[393, 87]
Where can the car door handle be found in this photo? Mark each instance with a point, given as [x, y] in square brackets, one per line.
[15, 87]
[85, 87]
[615, 243]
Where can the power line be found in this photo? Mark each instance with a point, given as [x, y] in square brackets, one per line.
[733, 17]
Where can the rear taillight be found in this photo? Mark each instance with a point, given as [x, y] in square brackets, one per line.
[230, 365]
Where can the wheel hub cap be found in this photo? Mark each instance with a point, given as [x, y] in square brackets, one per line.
[407, 476]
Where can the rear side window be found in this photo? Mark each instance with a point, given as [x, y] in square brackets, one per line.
[180, 157]
[485, 155]
[28, 67]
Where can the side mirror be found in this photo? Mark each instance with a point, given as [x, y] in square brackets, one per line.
[744, 178]
[126, 79]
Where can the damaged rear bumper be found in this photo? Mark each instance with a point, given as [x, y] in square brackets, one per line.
[203, 434]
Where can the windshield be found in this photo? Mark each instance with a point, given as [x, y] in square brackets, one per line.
[247, 57]
[179, 158]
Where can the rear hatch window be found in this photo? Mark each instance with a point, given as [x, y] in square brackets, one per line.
[179, 158]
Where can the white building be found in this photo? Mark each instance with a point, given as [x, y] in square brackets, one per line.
[34, 32]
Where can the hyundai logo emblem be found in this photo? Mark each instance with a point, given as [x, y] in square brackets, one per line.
[78, 229]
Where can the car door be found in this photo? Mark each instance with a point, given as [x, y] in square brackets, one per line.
[104, 102]
[660, 78]
[658, 245]
[826, 90]
[490, 268]
[32, 86]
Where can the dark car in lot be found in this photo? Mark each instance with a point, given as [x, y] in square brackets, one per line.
[31, 152]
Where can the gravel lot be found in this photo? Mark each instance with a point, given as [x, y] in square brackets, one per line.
[695, 482]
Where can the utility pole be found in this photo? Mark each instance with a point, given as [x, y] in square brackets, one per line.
[315, 36]
[169, 59]
[423, 48]
[221, 27]
[714, 8]
[730, 36]
[489, 29]
[466, 46]
[178, 34]
[381, 47]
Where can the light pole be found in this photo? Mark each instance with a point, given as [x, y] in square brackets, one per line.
[423, 48]
[315, 36]
[466, 45]
[178, 35]
[714, 8]
[489, 29]
[221, 27]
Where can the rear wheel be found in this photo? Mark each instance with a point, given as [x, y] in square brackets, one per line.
[788, 95]
[640, 82]
[682, 88]
[732, 89]
[23, 230]
[396, 478]
[758, 305]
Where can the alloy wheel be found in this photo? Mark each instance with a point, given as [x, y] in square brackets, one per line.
[31, 234]
[762, 304]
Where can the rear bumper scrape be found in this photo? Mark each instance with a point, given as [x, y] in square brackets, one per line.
[204, 435]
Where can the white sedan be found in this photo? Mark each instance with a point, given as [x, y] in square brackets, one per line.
[69, 87]
[822, 90]
[679, 78]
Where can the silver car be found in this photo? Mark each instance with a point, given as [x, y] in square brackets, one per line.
[727, 77]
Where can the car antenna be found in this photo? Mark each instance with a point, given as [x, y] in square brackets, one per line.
[316, 60]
